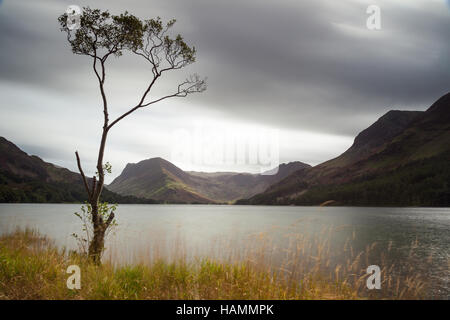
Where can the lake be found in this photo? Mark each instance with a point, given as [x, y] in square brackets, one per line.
[417, 239]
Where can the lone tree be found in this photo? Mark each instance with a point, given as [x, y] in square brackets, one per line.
[100, 35]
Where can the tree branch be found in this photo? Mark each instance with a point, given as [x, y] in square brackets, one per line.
[94, 182]
[195, 85]
[82, 175]
[109, 220]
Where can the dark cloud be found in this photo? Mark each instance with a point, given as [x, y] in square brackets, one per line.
[292, 64]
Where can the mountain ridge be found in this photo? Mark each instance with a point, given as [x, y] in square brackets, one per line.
[161, 180]
[413, 152]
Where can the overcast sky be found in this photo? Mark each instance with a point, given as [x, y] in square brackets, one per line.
[307, 69]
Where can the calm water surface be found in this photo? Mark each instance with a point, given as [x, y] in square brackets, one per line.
[205, 230]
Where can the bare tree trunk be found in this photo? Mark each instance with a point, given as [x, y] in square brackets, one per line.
[97, 244]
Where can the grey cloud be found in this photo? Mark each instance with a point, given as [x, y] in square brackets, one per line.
[295, 64]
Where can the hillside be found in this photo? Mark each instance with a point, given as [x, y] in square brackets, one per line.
[25, 178]
[159, 179]
[402, 159]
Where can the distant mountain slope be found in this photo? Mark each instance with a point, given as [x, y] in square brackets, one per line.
[25, 178]
[159, 179]
[402, 159]
[372, 139]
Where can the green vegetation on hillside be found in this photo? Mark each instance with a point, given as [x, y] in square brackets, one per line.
[157, 178]
[424, 182]
[16, 189]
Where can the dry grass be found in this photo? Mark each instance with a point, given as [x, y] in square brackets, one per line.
[31, 267]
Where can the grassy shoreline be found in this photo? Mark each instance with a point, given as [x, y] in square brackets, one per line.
[32, 267]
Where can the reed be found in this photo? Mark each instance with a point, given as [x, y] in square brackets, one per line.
[32, 267]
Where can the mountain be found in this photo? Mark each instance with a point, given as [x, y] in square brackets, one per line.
[159, 179]
[372, 139]
[25, 178]
[403, 159]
